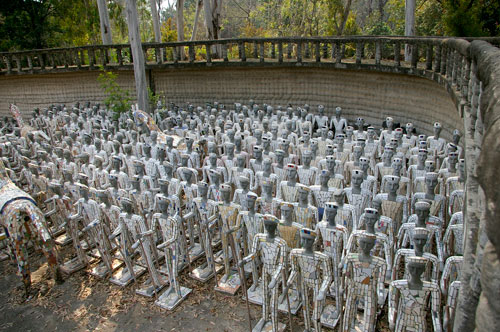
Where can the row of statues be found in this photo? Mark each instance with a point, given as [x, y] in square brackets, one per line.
[337, 220]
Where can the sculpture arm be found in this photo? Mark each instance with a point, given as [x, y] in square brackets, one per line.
[279, 267]
[435, 307]
[327, 278]
[393, 302]
[253, 253]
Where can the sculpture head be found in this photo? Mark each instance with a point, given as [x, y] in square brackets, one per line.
[397, 165]
[307, 237]
[415, 266]
[437, 129]
[240, 161]
[389, 122]
[331, 164]
[303, 192]
[202, 189]
[392, 184]
[126, 205]
[431, 181]
[267, 188]
[339, 196]
[257, 152]
[357, 178]
[270, 224]
[422, 210]
[214, 177]
[371, 218]
[338, 112]
[366, 242]
[244, 182]
[420, 235]
[250, 200]
[267, 165]
[286, 212]
[331, 209]
[307, 158]
[291, 171]
[225, 190]
[430, 166]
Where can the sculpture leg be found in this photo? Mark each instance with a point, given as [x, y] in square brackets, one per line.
[350, 310]
[305, 306]
[370, 311]
[265, 297]
[173, 271]
[225, 253]
[82, 257]
[274, 308]
[317, 306]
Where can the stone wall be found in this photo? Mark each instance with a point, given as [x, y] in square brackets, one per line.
[369, 94]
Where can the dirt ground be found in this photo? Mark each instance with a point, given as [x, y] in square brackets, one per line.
[85, 303]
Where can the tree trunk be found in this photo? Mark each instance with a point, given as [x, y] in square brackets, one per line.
[409, 25]
[212, 15]
[107, 38]
[137, 54]
[196, 16]
[156, 20]
[345, 16]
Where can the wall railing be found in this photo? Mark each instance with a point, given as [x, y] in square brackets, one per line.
[469, 69]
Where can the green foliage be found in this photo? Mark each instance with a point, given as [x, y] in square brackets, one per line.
[153, 98]
[472, 17]
[32, 24]
[118, 99]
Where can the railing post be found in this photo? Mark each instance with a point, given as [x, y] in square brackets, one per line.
[273, 50]
[209, 56]
[289, 51]
[454, 70]
[449, 62]
[175, 55]
[317, 52]
[261, 51]
[280, 52]
[41, 60]
[338, 52]
[397, 54]
[77, 59]
[444, 60]
[255, 54]
[18, 63]
[224, 52]
[8, 63]
[428, 57]
[306, 50]
[414, 55]
[359, 46]
[30, 62]
[325, 50]
[241, 47]
[82, 56]
[299, 51]
[91, 58]
[378, 52]
[437, 64]
[119, 56]
[191, 53]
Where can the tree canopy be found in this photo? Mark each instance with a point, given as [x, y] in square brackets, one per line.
[31, 24]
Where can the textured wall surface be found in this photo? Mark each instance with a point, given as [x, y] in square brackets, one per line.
[368, 94]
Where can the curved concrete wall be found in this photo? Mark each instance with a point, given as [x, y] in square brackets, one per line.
[372, 95]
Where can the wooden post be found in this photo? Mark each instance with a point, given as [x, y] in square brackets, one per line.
[137, 54]
[156, 28]
[104, 19]
[409, 25]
